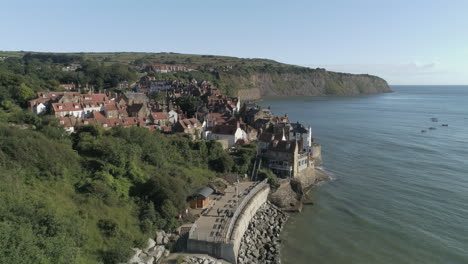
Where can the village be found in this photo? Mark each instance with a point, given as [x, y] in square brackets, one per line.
[195, 109]
[199, 111]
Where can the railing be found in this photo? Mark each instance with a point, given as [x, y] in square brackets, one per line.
[241, 206]
[192, 229]
[223, 232]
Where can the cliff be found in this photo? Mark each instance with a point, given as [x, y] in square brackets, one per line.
[307, 83]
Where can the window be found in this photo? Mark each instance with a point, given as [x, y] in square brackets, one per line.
[60, 107]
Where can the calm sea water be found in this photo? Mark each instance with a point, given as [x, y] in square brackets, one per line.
[398, 195]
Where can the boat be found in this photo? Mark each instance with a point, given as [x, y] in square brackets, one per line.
[444, 124]
[432, 128]
[423, 131]
[434, 119]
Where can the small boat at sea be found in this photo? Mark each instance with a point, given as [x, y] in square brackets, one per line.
[444, 124]
[423, 131]
[432, 128]
[434, 119]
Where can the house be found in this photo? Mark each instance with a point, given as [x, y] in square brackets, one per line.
[286, 158]
[111, 110]
[190, 126]
[173, 116]
[89, 107]
[97, 99]
[300, 133]
[39, 108]
[68, 87]
[159, 118]
[67, 109]
[138, 110]
[67, 124]
[255, 114]
[229, 133]
[201, 198]
[163, 68]
[133, 98]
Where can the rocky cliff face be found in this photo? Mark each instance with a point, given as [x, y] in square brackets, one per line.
[308, 83]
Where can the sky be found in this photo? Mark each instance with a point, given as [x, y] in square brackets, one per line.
[402, 41]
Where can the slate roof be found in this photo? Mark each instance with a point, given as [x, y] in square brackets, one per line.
[299, 128]
[136, 96]
[205, 191]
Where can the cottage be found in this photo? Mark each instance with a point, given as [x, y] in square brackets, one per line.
[133, 98]
[67, 124]
[159, 118]
[201, 198]
[190, 126]
[111, 110]
[67, 109]
[68, 87]
[97, 99]
[300, 133]
[173, 116]
[229, 133]
[39, 107]
[138, 110]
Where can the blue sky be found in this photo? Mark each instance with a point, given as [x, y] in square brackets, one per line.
[405, 42]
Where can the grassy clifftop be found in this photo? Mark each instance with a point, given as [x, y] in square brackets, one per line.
[248, 78]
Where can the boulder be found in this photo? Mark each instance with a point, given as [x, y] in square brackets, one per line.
[135, 258]
[149, 244]
[159, 238]
[156, 252]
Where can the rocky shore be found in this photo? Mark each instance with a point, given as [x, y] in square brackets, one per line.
[154, 251]
[261, 241]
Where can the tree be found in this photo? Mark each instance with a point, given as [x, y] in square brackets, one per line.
[23, 93]
[188, 104]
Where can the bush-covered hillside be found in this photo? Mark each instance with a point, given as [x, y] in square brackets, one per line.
[91, 196]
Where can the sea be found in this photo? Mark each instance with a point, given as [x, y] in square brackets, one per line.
[396, 194]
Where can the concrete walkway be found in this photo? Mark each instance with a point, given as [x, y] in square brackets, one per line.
[213, 224]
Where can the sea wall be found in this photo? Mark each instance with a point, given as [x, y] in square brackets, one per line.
[317, 154]
[246, 216]
[229, 248]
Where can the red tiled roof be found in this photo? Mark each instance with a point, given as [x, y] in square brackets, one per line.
[93, 98]
[98, 116]
[110, 107]
[65, 122]
[159, 115]
[189, 123]
[66, 107]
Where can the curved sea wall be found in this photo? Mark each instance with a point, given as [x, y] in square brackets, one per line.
[228, 249]
[246, 215]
